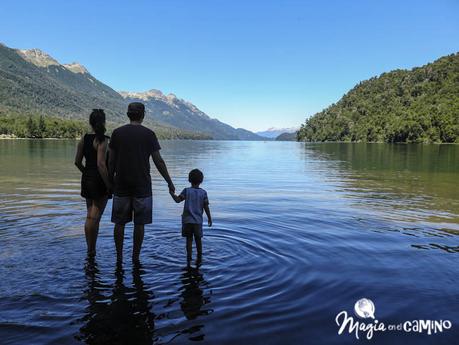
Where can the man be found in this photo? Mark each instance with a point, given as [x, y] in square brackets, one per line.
[129, 162]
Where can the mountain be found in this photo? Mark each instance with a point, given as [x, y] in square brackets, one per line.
[32, 83]
[176, 112]
[272, 133]
[286, 137]
[417, 105]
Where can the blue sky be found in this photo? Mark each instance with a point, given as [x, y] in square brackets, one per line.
[252, 64]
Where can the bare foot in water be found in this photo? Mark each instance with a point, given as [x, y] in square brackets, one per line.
[199, 260]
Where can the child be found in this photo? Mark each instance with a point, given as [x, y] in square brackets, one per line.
[195, 202]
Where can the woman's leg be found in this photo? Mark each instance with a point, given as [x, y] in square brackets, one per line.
[95, 212]
[87, 224]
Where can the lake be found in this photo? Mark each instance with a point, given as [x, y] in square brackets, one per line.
[301, 232]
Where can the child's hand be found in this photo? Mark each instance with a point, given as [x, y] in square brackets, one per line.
[209, 221]
[176, 198]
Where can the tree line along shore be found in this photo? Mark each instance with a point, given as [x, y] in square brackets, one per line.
[39, 126]
[51, 127]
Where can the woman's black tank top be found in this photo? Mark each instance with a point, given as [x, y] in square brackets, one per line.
[89, 153]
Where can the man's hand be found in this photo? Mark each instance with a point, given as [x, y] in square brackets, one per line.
[209, 222]
[162, 168]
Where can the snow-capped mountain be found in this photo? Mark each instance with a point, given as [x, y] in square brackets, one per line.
[273, 133]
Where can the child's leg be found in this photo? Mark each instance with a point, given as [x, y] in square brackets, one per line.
[197, 240]
[189, 247]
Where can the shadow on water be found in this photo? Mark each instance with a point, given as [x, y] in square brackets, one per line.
[124, 317]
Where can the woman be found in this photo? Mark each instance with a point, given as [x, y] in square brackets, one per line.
[95, 185]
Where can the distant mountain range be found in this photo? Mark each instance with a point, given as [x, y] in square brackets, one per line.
[286, 137]
[34, 83]
[273, 133]
[178, 113]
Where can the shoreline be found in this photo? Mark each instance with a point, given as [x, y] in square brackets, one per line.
[13, 137]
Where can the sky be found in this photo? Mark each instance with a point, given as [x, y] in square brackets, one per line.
[253, 64]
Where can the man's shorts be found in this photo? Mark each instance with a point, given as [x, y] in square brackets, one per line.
[192, 229]
[124, 207]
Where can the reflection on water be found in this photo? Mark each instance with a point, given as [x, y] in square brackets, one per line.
[124, 316]
[413, 173]
[417, 183]
[301, 231]
[193, 300]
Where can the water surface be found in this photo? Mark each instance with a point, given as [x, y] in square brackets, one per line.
[301, 231]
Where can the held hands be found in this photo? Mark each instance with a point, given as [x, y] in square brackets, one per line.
[175, 197]
[171, 188]
[180, 198]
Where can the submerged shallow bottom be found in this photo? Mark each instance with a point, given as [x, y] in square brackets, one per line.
[301, 232]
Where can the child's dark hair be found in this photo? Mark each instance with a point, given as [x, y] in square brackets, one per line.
[195, 176]
[97, 122]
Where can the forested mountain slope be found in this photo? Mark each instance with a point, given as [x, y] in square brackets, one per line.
[418, 105]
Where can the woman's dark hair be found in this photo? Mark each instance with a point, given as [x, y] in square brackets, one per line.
[195, 176]
[97, 122]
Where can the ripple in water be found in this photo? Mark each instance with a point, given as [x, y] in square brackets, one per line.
[301, 232]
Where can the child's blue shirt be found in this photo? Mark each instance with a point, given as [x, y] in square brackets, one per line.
[195, 199]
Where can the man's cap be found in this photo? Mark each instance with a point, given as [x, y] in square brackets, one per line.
[136, 108]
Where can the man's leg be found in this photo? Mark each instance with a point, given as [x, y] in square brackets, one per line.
[142, 215]
[119, 239]
[121, 214]
[138, 239]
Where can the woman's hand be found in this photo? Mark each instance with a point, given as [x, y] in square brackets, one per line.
[79, 155]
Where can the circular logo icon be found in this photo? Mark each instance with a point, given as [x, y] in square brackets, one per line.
[364, 308]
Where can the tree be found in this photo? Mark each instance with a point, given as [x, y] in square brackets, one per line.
[32, 129]
[41, 127]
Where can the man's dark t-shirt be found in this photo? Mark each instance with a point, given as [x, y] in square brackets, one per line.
[133, 145]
